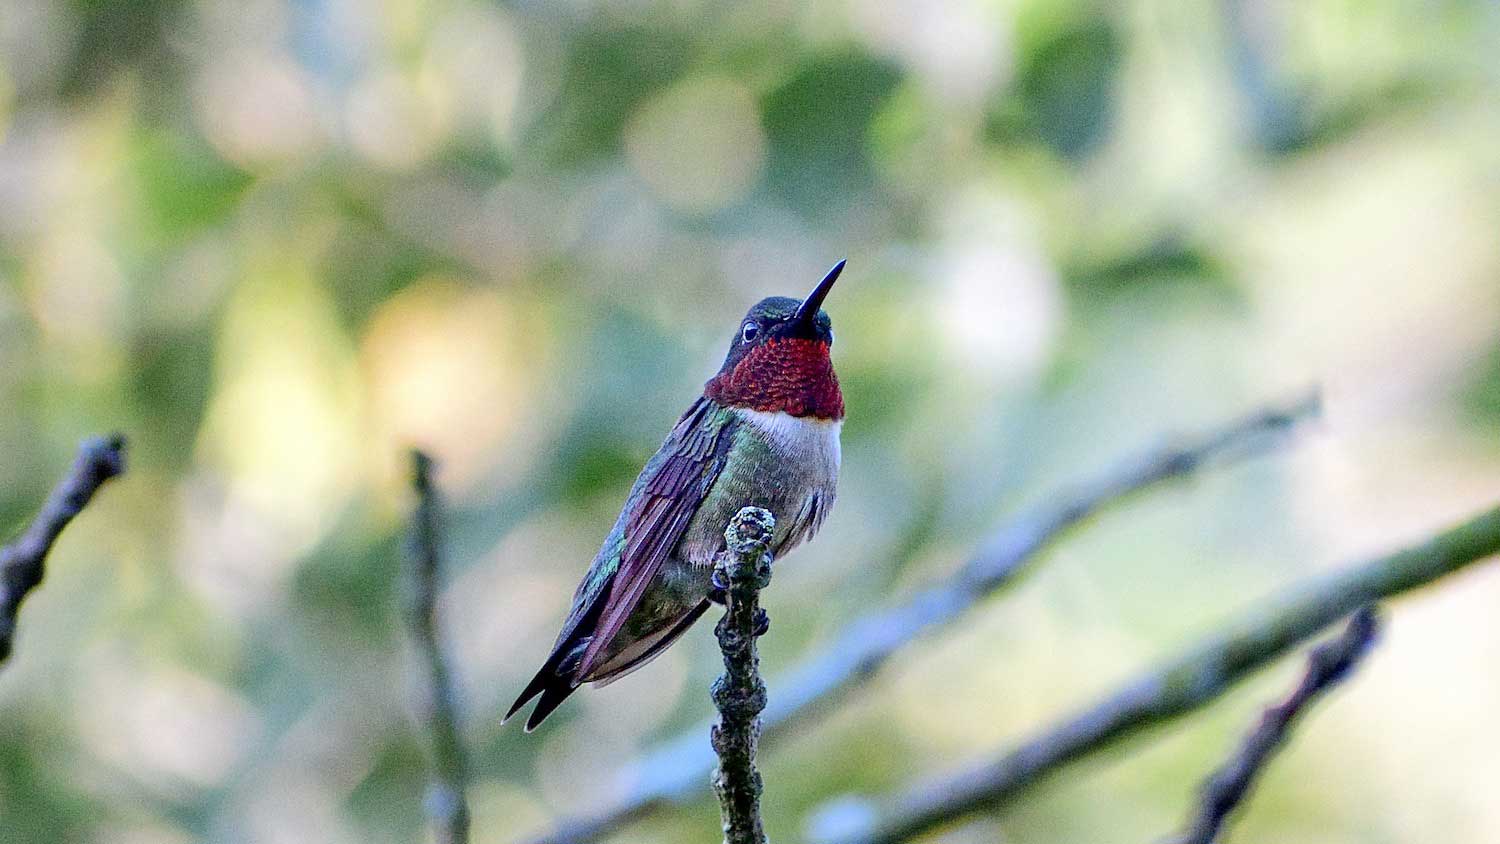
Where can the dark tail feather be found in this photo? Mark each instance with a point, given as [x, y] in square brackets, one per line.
[554, 683]
[534, 688]
[553, 689]
[552, 695]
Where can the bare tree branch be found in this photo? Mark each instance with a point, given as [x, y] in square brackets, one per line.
[22, 563]
[434, 704]
[674, 772]
[1328, 665]
[1178, 687]
[739, 694]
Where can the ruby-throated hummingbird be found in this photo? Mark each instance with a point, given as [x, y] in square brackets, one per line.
[765, 433]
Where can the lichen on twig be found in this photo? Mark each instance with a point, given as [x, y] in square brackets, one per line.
[740, 695]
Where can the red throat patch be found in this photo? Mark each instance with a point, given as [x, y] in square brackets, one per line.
[790, 375]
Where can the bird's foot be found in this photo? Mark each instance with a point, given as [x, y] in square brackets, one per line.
[762, 622]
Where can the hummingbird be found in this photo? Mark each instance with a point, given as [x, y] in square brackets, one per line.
[765, 433]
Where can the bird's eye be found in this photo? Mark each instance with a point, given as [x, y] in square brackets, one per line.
[749, 332]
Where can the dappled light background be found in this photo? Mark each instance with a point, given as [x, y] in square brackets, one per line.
[277, 242]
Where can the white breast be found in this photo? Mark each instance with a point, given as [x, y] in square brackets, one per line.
[800, 437]
[813, 446]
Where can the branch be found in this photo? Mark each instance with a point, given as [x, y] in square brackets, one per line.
[22, 562]
[1328, 665]
[1180, 686]
[674, 771]
[739, 694]
[435, 709]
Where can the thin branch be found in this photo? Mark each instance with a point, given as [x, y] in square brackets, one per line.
[1178, 687]
[22, 563]
[739, 694]
[674, 772]
[1328, 665]
[436, 710]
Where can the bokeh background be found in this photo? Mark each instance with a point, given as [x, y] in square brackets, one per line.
[277, 242]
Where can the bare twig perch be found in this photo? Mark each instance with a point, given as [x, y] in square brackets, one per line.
[436, 711]
[22, 563]
[1180, 686]
[739, 694]
[1327, 666]
[675, 771]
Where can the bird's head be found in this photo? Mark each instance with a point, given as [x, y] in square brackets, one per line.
[778, 359]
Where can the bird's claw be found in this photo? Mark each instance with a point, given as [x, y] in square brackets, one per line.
[717, 579]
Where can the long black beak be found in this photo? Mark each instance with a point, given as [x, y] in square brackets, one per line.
[803, 321]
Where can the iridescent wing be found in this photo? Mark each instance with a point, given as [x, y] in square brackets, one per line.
[657, 517]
